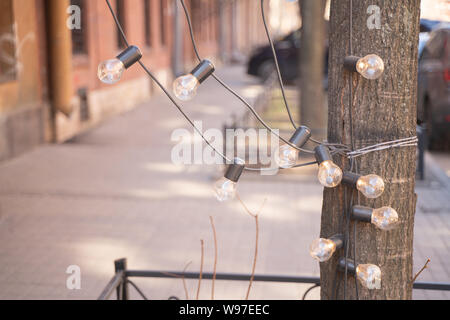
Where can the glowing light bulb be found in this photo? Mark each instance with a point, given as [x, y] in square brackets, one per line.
[330, 175]
[225, 188]
[286, 157]
[385, 218]
[369, 275]
[110, 71]
[371, 186]
[322, 249]
[370, 67]
[185, 87]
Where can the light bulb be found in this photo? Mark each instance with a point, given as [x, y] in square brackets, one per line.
[371, 186]
[369, 275]
[185, 87]
[225, 189]
[330, 175]
[110, 71]
[370, 67]
[322, 249]
[286, 157]
[385, 218]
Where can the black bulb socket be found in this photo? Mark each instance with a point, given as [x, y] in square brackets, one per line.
[130, 56]
[203, 70]
[338, 240]
[234, 171]
[301, 136]
[351, 266]
[322, 154]
[350, 179]
[350, 63]
[363, 214]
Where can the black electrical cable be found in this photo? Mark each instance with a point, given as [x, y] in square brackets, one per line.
[309, 290]
[137, 289]
[277, 66]
[222, 83]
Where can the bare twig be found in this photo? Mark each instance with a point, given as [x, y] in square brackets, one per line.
[247, 209]
[184, 280]
[180, 277]
[421, 270]
[201, 269]
[255, 258]
[215, 257]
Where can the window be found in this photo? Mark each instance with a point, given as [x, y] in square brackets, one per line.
[8, 60]
[120, 12]
[162, 19]
[79, 43]
[147, 23]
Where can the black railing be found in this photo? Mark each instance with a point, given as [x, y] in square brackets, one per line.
[119, 283]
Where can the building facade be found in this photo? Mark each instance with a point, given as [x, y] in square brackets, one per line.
[49, 90]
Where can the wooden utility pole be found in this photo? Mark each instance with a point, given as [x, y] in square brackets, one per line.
[311, 62]
[381, 110]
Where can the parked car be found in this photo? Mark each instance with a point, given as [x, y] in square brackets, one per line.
[434, 86]
[287, 48]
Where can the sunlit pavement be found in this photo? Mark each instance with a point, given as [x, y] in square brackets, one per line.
[443, 160]
[114, 192]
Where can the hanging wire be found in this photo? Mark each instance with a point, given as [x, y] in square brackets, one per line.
[352, 165]
[277, 67]
[222, 83]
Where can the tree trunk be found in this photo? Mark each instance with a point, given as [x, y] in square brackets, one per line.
[311, 62]
[382, 110]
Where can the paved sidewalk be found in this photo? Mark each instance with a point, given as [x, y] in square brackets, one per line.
[113, 192]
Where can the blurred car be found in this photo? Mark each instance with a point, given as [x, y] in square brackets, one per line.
[287, 48]
[434, 85]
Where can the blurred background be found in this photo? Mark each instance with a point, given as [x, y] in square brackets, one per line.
[85, 168]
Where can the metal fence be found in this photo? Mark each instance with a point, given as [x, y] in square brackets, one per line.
[121, 282]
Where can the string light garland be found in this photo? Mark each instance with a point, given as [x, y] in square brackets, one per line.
[229, 89]
[329, 174]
